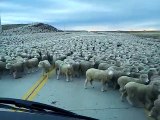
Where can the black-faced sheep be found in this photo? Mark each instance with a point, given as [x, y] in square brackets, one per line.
[102, 76]
[140, 94]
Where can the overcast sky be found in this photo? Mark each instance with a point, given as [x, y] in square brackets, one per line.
[84, 14]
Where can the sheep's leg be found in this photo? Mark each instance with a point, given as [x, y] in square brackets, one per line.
[43, 72]
[91, 82]
[28, 71]
[32, 70]
[131, 101]
[123, 95]
[120, 89]
[102, 89]
[103, 86]
[10, 72]
[115, 85]
[67, 77]
[14, 75]
[151, 113]
[36, 69]
[58, 73]
[71, 78]
[85, 84]
[148, 104]
[25, 70]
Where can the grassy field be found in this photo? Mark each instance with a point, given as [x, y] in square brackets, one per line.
[146, 34]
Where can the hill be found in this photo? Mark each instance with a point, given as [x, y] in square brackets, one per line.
[16, 29]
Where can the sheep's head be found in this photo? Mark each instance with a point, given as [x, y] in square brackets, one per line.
[134, 69]
[144, 78]
[126, 71]
[40, 65]
[8, 66]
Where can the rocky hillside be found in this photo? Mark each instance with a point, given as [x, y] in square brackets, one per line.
[28, 29]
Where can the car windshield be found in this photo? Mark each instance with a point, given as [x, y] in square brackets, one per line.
[96, 58]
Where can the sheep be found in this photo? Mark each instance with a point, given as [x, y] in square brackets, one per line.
[123, 80]
[76, 68]
[103, 66]
[45, 65]
[117, 72]
[31, 64]
[15, 68]
[152, 72]
[64, 68]
[140, 94]
[98, 75]
[17, 75]
[134, 72]
[85, 65]
[155, 111]
[155, 78]
[58, 63]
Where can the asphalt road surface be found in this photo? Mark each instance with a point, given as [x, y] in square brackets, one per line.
[71, 96]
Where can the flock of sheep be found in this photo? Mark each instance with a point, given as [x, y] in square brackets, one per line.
[123, 61]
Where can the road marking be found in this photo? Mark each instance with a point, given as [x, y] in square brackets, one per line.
[34, 90]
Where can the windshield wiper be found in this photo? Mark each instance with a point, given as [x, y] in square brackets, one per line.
[31, 106]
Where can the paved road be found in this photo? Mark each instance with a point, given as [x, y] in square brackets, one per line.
[91, 102]
[72, 96]
[16, 88]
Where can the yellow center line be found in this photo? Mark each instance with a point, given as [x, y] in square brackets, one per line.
[34, 90]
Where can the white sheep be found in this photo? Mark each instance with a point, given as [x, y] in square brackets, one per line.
[64, 68]
[15, 68]
[123, 80]
[98, 75]
[31, 64]
[140, 94]
[45, 65]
